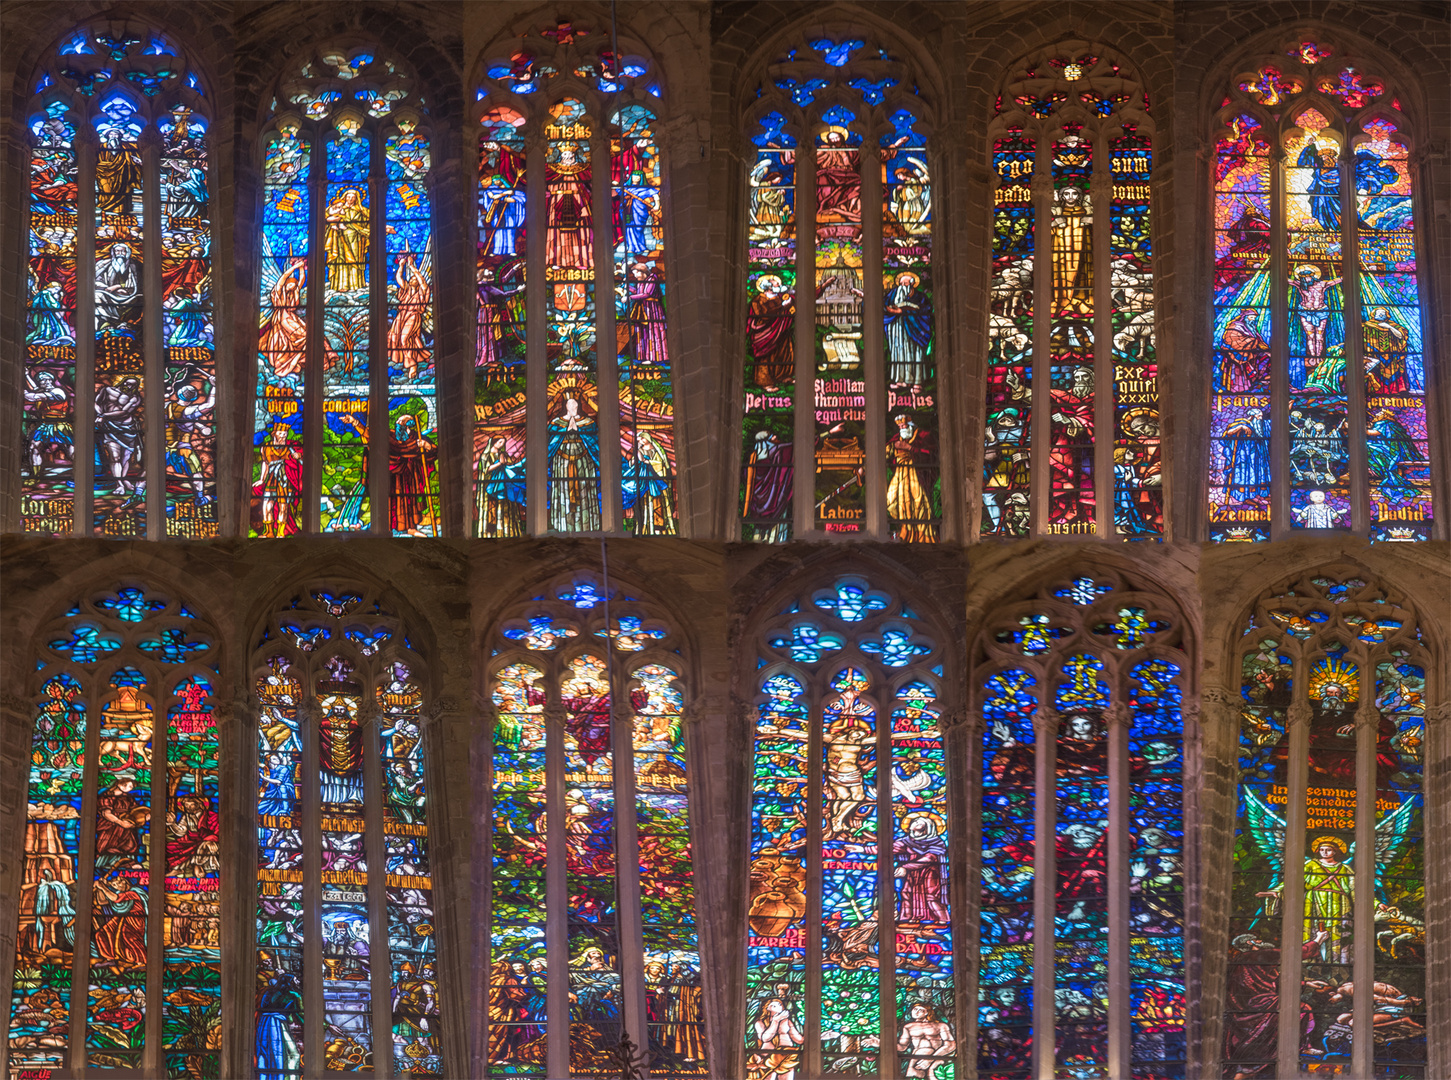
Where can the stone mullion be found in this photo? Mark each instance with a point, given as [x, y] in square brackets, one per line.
[1292, 907]
[152, 1061]
[874, 370]
[313, 424]
[1277, 421]
[556, 886]
[606, 349]
[630, 932]
[1118, 719]
[803, 497]
[380, 968]
[309, 714]
[1354, 349]
[85, 878]
[84, 441]
[962, 746]
[536, 331]
[811, 927]
[1045, 869]
[1101, 192]
[886, 888]
[237, 757]
[1362, 1005]
[1040, 471]
[379, 433]
[153, 443]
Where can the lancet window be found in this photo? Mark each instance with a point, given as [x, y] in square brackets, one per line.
[849, 949]
[117, 433]
[1319, 408]
[1082, 937]
[1072, 443]
[592, 901]
[346, 951]
[345, 432]
[1327, 938]
[118, 952]
[574, 415]
[839, 426]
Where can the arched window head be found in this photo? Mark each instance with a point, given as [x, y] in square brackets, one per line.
[346, 431]
[1319, 408]
[592, 902]
[118, 434]
[1329, 894]
[849, 945]
[1080, 691]
[121, 825]
[839, 430]
[346, 948]
[1072, 437]
[573, 384]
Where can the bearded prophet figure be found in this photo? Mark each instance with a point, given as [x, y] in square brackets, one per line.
[569, 240]
[1072, 252]
[771, 328]
[909, 491]
[921, 868]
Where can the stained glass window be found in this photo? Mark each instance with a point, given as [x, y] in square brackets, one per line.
[585, 949]
[574, 417]
[346, 954]
[121, 825]
[1072, 154]
[1319, 408]
[99, 456]
[849, 953]
[1088, 678]
[1332, 729]
[345, 433]
[853, 214]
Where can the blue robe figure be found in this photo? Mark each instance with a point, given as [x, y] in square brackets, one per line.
[53, 902]
[1324, 188]
[501, 215]
[47, 327]
[189, 191]
[1389, 446]
[276, 794]
[907, 320]
[1247, 459]
[574, 471]
[1126, 515]
[279, 1008]
[186, 320]
[1379, 211]
[636, 210]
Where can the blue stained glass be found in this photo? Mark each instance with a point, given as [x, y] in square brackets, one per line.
[837, 53]
[803, 93]
[86, 645]
[128, 676]
[77, 44]
[541, 634]
[1132, 629]
[369, 641]
[308, 637]
[583, 595]
[807, 643]
[172, 646]
[336, 605]
[1084, 591]
[872, 92]
[841, 116]
[1036, 636]
[45, 81]
[851, 603]
[193, 81]
[129, 604]
[1083, 690]
[895, 647]
[158, 47]
[116, 46]
[772, 131]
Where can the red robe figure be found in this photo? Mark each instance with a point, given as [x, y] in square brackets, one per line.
[413, 463]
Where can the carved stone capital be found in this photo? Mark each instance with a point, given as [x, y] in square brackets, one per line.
[370, 713]
[1299, 715]
[1117, 715]
[555, 715]
[978, 173]
[1189, 714]
[1439, 713]
[1278, 154]
[439, 708]
[1367, 717]
[692, 714]
[1219, 696]
[1047, 721]
[745, 713]
[14, 703]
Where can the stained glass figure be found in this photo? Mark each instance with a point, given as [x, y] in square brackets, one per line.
[154, 741]
[600, 178]
[838, 977]
[1344, 314]
[1050, 470]
[1332, 726]
[612, 719]
[1113, 725]
[357, 707]
[336, 172]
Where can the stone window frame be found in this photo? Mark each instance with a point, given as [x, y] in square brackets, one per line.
[766, 651]
[1043, 76]
[583, 620]
[367, 609]
[284, 108]
[559, 52]
[793, 58]
[1349, 134]
[174, 612]
[92, 76]
[990, 655]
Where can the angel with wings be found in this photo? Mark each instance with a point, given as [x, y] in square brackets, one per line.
[411, 331]
[1329, 872]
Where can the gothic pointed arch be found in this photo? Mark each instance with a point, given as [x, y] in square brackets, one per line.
[589, 695]
[1080, 692]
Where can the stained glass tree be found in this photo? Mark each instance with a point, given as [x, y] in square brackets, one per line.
[849, 945]
[589, 718]
[346, 951]
[574, 426]
[1319, 409]
[1072, 444]
[1088, 678]
[345, 437]
[121, 821]
[1329, 880]
[839, 190]
[119, 118]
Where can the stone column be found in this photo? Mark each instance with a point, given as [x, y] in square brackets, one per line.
[1292, 906]
[1118, 720]
[1045, 725]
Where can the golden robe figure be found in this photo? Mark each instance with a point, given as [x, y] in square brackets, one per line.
[1072, 253]
[346, 242]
